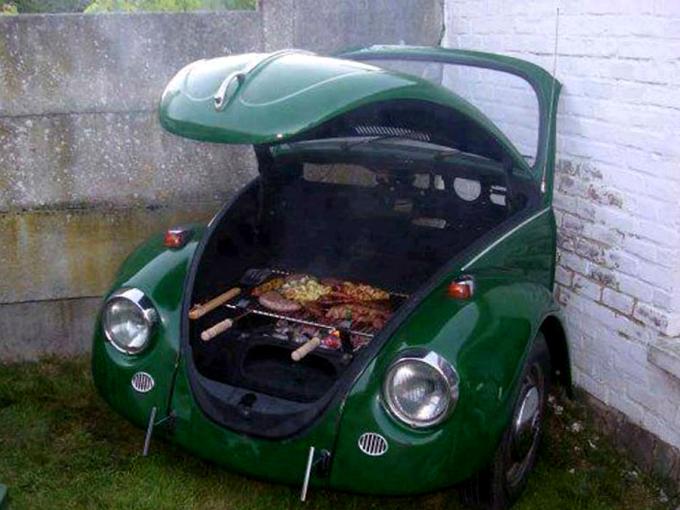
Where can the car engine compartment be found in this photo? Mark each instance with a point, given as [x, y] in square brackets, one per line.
[278, 347]
[316, 261]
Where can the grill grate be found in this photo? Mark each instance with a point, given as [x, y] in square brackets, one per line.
[255, 308]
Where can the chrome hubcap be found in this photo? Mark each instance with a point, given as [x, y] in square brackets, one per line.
[524, 426]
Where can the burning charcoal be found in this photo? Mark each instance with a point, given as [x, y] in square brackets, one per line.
[331, 342]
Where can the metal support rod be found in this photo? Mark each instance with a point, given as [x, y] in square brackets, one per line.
[272, 315]
[308, 472]
[3, 496]
[149, 431]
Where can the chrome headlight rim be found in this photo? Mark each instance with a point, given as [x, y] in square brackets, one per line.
[443, 368]
[142, 302]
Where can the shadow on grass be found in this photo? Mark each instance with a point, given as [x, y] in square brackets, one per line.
[61, 447]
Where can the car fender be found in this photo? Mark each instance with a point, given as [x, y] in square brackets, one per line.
[160, 273]
[487, 339]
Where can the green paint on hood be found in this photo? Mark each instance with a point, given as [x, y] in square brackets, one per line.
[270, 98]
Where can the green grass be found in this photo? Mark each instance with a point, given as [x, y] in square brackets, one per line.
[61, 447]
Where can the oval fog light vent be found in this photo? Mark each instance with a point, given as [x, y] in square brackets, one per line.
[372, 444]
[142, 382]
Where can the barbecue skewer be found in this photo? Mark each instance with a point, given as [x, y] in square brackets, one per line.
[305, 349]
[198, 311]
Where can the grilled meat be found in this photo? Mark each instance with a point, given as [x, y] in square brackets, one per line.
[303, 288]
[358, 314]
[328, 300]
[276, 302]
[348, 292]
[363, 292]
[273, 284]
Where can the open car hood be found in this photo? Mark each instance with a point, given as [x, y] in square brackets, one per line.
[271, 98]
[277, 97]
[545, 86]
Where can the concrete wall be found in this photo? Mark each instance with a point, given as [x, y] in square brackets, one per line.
[86, 172]
[617, 188]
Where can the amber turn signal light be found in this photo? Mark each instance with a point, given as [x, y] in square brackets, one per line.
[462, 288]
[176, 238]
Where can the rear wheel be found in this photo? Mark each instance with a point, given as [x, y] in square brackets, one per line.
[501, 483]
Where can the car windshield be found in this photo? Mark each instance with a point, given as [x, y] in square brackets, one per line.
[507, 100]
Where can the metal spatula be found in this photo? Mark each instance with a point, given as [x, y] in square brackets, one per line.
[253, 277]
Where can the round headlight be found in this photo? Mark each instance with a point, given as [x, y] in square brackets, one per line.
[421, 389]
[128, 319]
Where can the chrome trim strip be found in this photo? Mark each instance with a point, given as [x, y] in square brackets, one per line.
[503, 238]
[220, 98]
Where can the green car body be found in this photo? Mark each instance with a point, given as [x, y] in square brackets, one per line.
[487, 337]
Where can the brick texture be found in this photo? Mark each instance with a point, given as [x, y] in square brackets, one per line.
[617, 181]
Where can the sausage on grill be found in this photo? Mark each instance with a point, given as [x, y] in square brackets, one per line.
[276, 302]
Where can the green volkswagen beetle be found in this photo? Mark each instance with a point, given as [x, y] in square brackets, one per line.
[373, 312]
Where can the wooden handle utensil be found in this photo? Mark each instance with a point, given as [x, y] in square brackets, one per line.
[220, 327]
[198, 311]
[305, 349]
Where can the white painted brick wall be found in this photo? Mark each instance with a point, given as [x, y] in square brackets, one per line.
[617, 188]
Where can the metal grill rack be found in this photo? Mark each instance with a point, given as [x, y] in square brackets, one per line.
[255, 308]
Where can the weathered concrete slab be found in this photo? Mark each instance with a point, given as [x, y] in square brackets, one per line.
[119, 159]
[278, 24]
[330, 25]
[86, 172]
[66, 254]
[121, 62]
[109, 62]
[57, 328]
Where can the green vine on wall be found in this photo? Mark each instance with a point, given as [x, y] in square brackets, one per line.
[8, 9]
[167, 5]
[98, 6]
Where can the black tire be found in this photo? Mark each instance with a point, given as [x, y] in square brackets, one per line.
[501, 483]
